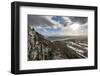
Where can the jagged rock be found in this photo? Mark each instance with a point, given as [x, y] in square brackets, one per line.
[40, 48]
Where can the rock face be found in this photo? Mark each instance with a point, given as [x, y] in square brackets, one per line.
[39, 48]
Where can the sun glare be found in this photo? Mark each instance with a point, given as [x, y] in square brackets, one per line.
[75, 26]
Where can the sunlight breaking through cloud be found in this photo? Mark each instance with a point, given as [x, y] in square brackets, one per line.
[58, 25]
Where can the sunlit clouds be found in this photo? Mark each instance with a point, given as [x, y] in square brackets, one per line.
[58, 25]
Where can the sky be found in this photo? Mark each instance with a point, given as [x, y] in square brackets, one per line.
[59, 25]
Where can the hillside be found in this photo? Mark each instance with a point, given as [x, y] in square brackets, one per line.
[40, 48]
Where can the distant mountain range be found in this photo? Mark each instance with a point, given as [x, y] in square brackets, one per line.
[60, 38]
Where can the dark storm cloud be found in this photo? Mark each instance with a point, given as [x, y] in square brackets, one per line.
[84, 27]
[38, 20]
[81, 20]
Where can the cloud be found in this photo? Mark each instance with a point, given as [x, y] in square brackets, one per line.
[67, 21]
[81, 20]
[46, 26]
[35, 20]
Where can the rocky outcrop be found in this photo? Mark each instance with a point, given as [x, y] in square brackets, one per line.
[39, 48]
